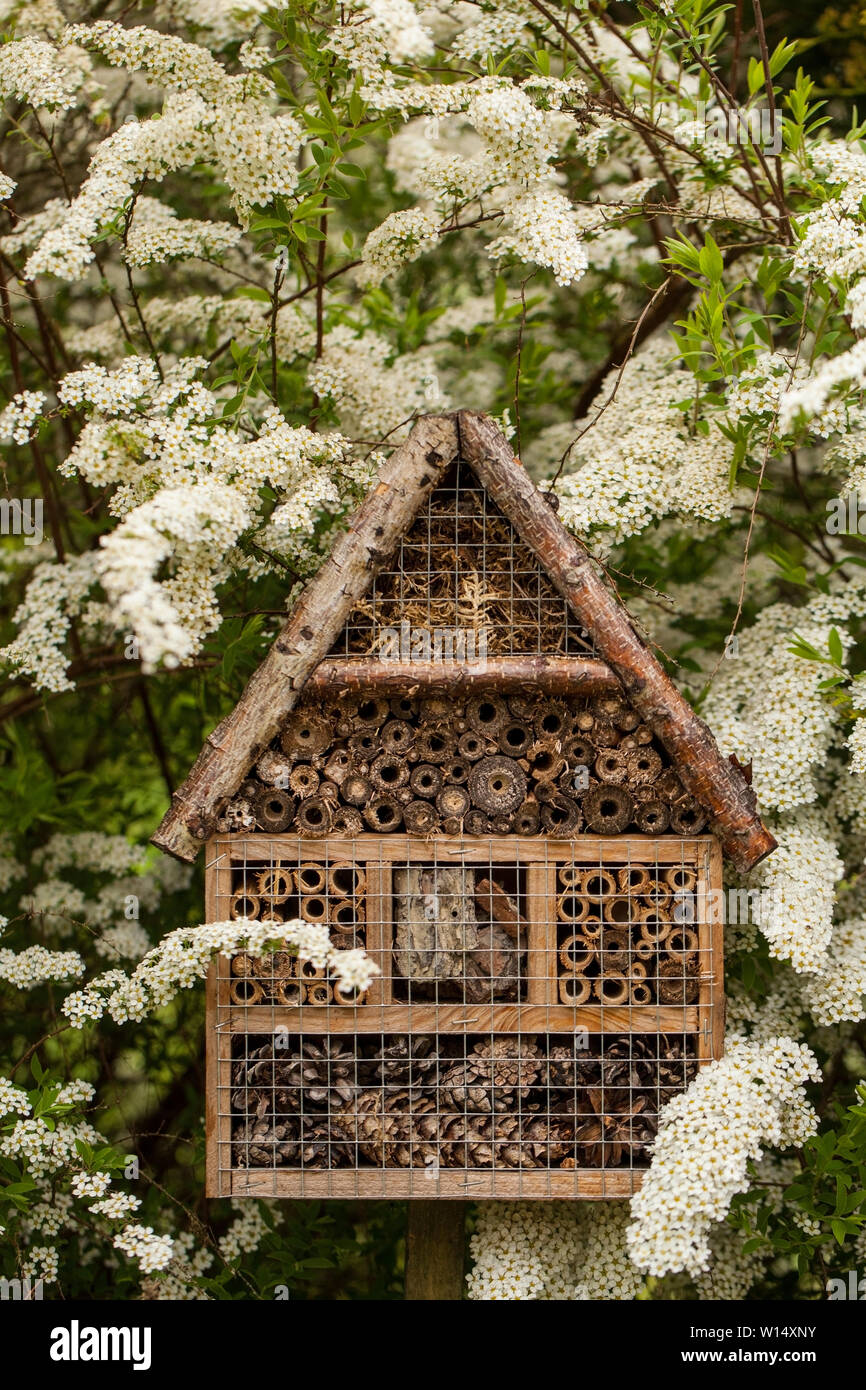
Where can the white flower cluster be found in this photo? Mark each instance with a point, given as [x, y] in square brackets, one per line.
[637, 462]
[401, 238]
[12, 1099]
[42, 74]
[56, 594]
[183, 957]
[245, 1233]
[18, 417]
[544, 229]
[795, 906]
[45, 1149]
[374, 396]
[551, 1251]
[152, 1251]
[750, 1098]
[90, 1184]
[836, 992]
[36, 966]
[116, 1207]
[152, 242]
[765, 705]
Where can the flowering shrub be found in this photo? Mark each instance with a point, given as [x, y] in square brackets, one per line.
[242, 247]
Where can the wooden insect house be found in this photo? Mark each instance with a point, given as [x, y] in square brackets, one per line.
[460, 756]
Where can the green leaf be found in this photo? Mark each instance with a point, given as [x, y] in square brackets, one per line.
[835, 647]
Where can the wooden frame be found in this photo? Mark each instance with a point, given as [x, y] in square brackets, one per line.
[541, 1012]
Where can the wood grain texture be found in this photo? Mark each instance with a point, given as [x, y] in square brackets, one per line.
[469, 1185]
[502, 849]
[435, 1252]
[464, 1018]
[405, 481]
[714, 781]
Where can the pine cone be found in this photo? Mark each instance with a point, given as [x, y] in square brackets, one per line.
[403, 1061]
[391, 1128]
[495, 1075]
[322, 1074]
[483, 1141]
[261, 1142]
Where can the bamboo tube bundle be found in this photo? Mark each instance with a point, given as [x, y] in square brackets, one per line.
[574, 989]
[310, 878]
[576, 954]
[244, 904]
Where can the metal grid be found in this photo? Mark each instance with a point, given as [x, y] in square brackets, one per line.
[459, 571]
[538, 1001]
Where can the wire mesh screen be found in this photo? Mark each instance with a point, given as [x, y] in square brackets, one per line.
[462, 571]
[539, 1000]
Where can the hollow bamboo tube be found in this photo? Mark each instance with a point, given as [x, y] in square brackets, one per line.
[572, 908]
[348, 996]
[275, 884]
[314, 908]
[597, 883]
[244, 904]
[680, 879]
[346, 880]
[310, 878]
[633, 879]
[289, 992]
[319, 993]
[574, 989]
[575, 954]
[246, 991]
[641, 994]
[611, 987]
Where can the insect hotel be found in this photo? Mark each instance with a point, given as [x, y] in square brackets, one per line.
[460, 756]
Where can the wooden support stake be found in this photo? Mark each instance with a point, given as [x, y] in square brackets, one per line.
[435, 1251]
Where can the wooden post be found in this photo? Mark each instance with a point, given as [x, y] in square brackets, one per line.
[435, 1251]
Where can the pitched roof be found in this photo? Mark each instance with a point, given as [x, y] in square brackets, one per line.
[299, 652]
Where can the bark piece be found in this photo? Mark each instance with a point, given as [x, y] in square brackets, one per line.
[435, 922]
